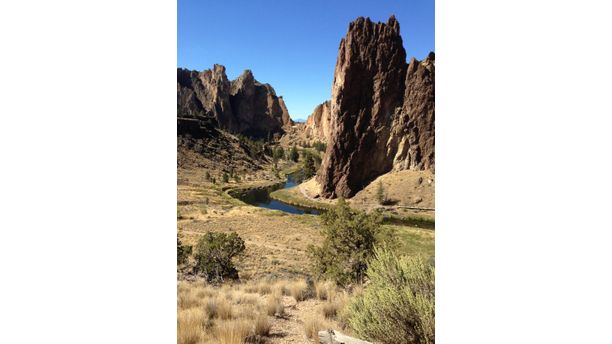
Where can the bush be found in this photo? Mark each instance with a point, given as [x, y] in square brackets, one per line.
[279, 152]
[400, 296]
[309, 167]
[380, 194]
[348, 243]
[225, 177]
[293, 154]
[214, 254]
[320, 146]
[182, 252]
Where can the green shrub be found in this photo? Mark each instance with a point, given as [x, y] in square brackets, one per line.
[279, 152]
[225, 178]
[320, 146]
[380, 194]
[398, 306]
[214, 254]
[182, 252]
[309, 166]
[349, 237]
[293, 154]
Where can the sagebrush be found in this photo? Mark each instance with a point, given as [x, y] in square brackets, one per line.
[398, 305]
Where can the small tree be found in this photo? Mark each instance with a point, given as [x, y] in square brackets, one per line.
[380, 194]
[207, 175]
[182, 252]
[214, 254]
[225, 178]
[348, 243]
[309, 166]
[279, 152]
[293, 154]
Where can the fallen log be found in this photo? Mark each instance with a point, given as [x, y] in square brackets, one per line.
[334, 337]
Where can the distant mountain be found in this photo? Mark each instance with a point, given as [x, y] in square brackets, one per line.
[242, 106]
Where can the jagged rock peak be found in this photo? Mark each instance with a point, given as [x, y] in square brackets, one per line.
[242, 106]
[381, 110]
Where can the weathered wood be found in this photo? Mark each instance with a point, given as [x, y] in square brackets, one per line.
[334, 337]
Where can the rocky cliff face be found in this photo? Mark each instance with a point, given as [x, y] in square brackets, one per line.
[413, 136]
[318, 124]
[242, 106]
[257, 108]
[381, 111]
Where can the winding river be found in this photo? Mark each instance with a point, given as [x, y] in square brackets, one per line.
[261, 198]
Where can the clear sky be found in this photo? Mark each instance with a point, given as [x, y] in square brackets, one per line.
[293, 44]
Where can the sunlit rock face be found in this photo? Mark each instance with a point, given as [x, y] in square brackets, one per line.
[243, 106]
[381, 110]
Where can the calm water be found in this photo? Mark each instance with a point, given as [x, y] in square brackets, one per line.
[261, 198]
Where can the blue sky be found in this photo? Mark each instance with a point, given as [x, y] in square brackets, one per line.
[292, 45]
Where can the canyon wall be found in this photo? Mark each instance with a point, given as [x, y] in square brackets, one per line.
[243, 106]
[318, 124]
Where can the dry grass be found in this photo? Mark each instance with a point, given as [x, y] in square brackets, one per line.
[312, 325]
[330, 309]
[224, 309]
[274, 306]
[242, 298]
[191, 325]
[264, 288]
[299, 290]
[280, 287]
[325, 290]
[232, 314]
[262, 326]
[232, 331]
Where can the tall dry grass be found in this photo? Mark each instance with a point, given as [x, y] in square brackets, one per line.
[232, 331]
[243, 313]
[299, 290]
[191, 324]
[312, 325]
[274, 305]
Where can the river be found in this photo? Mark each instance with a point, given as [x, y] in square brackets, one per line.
[261, 198]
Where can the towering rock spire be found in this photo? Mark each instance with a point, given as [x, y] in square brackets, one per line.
[381, 114]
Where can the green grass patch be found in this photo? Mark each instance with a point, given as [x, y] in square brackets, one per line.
[412, 241]
[419, 221]
[290, 197]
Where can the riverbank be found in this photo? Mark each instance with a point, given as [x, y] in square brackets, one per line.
[409, 217]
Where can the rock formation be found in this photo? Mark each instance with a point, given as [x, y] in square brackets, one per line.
[257, 109]
[414, 130]
[318, 123]
[243, 106]
[382, 110]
